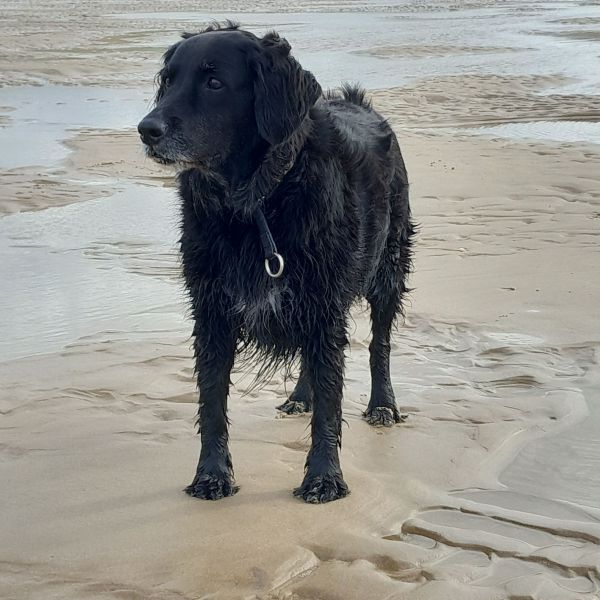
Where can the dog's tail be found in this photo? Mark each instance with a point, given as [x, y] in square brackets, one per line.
[352, 92]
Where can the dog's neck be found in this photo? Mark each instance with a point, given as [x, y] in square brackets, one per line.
[276, 164]
[211, 192]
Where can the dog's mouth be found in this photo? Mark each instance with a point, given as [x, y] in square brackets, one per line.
[181, 162]
[157, 157]
[161, 160]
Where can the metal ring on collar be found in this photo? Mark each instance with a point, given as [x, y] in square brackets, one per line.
[279, 270]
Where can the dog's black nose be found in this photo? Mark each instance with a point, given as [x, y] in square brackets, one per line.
[151, 130]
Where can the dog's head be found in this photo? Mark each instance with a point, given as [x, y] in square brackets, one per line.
[223, 92]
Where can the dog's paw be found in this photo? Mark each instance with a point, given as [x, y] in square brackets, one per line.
[293, 406]
[383, 416]
[322, 488]
[212, 486]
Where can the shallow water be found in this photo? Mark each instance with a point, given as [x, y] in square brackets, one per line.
[557, 131]
[384, 48]
[106, 264]
[535, 529]
[41, 118]
[566, 465]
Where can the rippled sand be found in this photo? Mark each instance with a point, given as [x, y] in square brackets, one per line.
[491, 488]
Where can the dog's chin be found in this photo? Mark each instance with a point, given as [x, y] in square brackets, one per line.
[159, 158]
[181, 163]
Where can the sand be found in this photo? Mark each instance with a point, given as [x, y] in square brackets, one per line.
[488, 491]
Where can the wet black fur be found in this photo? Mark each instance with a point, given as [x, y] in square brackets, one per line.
[340, 217]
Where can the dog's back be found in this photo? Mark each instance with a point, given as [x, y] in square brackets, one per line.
[375, 168]
[364, 128]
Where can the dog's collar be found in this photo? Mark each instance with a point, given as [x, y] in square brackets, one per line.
[268, 244]
[248, 200]
[277, 164]
[266, 238]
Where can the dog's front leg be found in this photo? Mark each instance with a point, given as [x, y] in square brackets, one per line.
[214, 348]
[323, 360]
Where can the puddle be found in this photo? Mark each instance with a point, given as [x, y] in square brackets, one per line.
[534, 531]
[40, 118]
[557, 131]
[566, 466]
[87, 267]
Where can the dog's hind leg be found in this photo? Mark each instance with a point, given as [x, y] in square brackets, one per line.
[301, 399]
[385, 298]
[382, 409]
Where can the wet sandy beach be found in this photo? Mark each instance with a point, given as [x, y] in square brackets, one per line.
[491, 488]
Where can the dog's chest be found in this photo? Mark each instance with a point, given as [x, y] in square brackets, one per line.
[265, 312]
[224, 265]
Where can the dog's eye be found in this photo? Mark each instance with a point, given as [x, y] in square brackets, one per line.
[166, 81]
[214, 84]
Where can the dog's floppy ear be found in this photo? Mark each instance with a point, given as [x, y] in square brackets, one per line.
[283, 91]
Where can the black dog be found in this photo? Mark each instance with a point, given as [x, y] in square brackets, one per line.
[261, 151]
